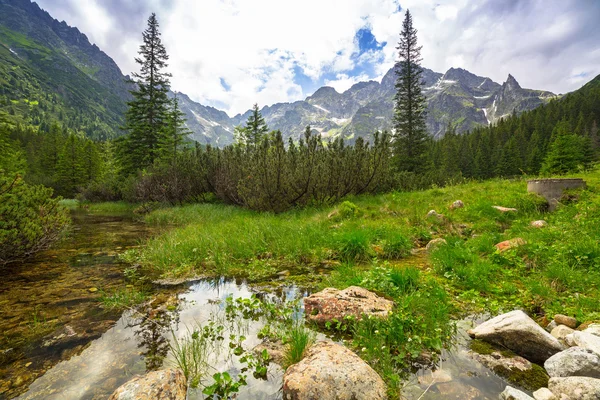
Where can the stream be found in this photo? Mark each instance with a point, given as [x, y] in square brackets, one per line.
[57, 341]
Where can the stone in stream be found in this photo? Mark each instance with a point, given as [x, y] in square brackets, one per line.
[330, 305]
[510, 393]
[575, 388]
[519, 333]
[584, 340]
[565, 320]
[275, 349]
[332, 372]
[574, 361]
[168, 384]
[544, 394]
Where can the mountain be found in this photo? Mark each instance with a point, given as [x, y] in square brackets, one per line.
[50, 71]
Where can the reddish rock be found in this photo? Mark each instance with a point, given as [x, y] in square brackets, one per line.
[168, 384]
[561, 319]
[332, 304]
[510, 244]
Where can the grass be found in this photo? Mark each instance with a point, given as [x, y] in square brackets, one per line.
[191, 354]
[298, 339]
[114, 207]
[367, 241]
[122, 299]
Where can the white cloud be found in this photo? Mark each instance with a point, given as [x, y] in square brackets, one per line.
[343, 82]
[254, 46]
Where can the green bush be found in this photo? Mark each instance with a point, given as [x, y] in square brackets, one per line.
[30, 219]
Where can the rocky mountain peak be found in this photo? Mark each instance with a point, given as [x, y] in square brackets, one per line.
[511, 83]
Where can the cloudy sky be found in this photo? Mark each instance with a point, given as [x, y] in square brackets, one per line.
[233, 53]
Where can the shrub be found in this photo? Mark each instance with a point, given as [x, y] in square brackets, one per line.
[30, 219]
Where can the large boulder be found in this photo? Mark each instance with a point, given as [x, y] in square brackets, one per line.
[332, 372]
[519, 333]
[168, 384]
[331, 305]
[575, 387]
[584, 340]
[510, 393]
[574, 361]
[593, 329]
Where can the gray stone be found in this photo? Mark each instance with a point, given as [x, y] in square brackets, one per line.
[544, 394]
[435, 243]
[168, 384]
[574, 361]
[551, 326]
[575, 388]
[594, 329]
[539, 223]
[457, 204]
[552, 189]
[332, 372]
[561, 332]
[584, 340]
[519, 333]
[510, 393]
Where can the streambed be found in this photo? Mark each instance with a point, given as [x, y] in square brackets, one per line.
[107, 350]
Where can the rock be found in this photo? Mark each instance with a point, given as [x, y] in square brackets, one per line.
[433, 244]
[539, 223]
[510, 244]
[437, 376]
[92, 290]
[574, 361]
[593, 329]
[575, 388]
[275, 349]
[457, 204]
[458, 391]
[168, 384]
[551, 326]
[333, 304]
[544, 394]
[434, 214]
[332, 372]
[510, 393]
[565, 320]
[519, 333]
[584, 340]
[504, 209]
[561, 332]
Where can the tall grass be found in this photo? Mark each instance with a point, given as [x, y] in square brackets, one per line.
[298, 339]
[191, 354]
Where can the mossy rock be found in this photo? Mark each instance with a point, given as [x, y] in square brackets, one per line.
[531, 379]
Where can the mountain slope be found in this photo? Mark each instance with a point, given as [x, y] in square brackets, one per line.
[49, 70]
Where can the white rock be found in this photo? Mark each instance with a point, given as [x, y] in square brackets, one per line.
[519, 333]
[539, 224]
[575, 388]
[584, 340]
[594, 329]
[561, 332]
[510, 393]
[574, 361]
[544, 394]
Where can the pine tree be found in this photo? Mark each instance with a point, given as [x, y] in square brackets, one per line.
[70, 170]
[176, 132]
[147, 116]
[255, 130]
[409, 112]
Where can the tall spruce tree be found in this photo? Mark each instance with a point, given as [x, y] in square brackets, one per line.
[255, 130]
[146, 119]
[411, 135]
[176, 132]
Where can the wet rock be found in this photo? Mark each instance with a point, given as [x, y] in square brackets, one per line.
[575, 387]
[510, 393]
[177, 281]
[565, 320]
[510, 244]
[435, 243]
[457, 204]
[92, 290]
[458, 391]
[332, 372]
[519, 333]
[504, 209]
[561, 332]
[275, 349]
[584, 340]
[574, 361]
[539, 224]
[437, 376]
[332, 304]
[593, 329]
[544, 394]
[166, 384]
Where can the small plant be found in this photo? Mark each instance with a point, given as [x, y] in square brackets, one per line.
[123, 298]
[348, 210]
[224, 386]
[191, 352]
[298, 340]
[354, 246]
[397, 246]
